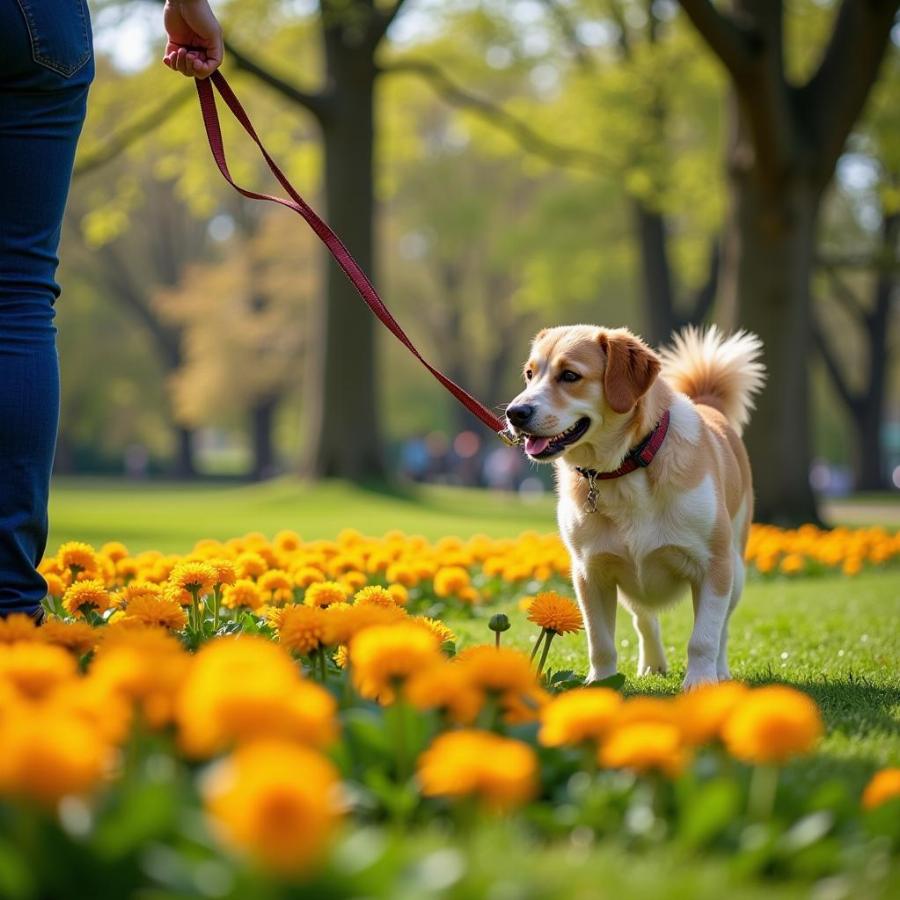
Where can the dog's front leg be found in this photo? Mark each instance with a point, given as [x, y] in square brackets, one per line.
[712, 602]
[598, 603]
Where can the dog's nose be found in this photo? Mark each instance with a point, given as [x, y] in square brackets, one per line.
[519, 414]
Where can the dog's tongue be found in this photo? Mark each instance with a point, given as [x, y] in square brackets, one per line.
[534, 446]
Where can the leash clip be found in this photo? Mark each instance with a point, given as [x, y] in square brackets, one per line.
[590, 505]
[508, 438]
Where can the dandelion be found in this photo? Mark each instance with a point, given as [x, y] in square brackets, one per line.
[884, 786]
[500, 772]
[276, 802]
[375, 596]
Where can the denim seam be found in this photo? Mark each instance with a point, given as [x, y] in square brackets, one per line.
[35, 39]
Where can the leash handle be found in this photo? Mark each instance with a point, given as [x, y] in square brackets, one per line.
[335, 245]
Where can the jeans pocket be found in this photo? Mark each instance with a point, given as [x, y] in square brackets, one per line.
[60, 33]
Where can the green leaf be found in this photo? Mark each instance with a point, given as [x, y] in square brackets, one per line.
[616, 682]
[708, 810]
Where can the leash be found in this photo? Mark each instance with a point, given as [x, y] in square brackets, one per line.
[335, 245]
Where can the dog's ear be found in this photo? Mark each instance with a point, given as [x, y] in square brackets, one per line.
[631, 367]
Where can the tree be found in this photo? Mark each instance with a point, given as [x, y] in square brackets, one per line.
[785, 140]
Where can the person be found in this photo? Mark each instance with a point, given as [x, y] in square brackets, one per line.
[46, 69]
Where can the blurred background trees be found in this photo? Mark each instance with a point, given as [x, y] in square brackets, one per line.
[496, 166]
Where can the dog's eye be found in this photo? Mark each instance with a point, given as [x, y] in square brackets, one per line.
[569, 375]
[528, 374]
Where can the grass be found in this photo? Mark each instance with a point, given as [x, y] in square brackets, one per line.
[832, 636]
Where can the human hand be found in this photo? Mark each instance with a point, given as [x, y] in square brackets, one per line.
[195, 46]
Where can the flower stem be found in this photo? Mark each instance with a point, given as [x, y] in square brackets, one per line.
[763, 786]
[550, 635]
[497, 639]
[195, 608]
[216, 598]
[537, 644]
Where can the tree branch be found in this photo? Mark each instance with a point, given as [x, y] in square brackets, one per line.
[730, 44]
[385, 19]
[831, 365]
[835, 95]
[529, 139]
[569, 33]
[131, 133]
[705, 297]
[318, 103]
[846, 297]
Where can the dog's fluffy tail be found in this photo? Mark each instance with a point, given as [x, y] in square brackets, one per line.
[722, 372]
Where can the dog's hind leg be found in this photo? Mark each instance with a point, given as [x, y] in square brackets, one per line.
[737, 588]
[651, 654]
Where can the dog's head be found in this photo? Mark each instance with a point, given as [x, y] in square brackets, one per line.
[578, 380]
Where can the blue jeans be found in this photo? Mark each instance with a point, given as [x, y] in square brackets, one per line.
[46, 67]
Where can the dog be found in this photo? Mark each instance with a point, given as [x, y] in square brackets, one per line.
[654, 484]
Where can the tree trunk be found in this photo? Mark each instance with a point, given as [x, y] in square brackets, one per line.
[183, 463]
[262, 425]
[769, 248]
[342, 397]
[656, 273]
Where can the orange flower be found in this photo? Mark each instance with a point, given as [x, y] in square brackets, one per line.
[500, 772]
[445, 687]
[703, 711]
[324, 593]
[645, 747]
[83, 595]
[302, 628]
[555, 613]
[772, 724]
[78, 637]
[884, 786]
[384, 656]
[583, 714]
[275, 801]
[18, 627]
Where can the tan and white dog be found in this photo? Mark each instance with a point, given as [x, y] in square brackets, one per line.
[681, 515]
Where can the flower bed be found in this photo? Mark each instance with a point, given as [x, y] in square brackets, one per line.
[254, 706]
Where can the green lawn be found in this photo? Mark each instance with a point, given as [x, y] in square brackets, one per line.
[837, 638]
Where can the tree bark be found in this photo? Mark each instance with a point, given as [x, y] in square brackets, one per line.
[656, 272]
[183, 464]
[262, 425]
[344, 438]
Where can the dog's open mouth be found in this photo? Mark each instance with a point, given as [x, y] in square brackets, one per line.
[540, 447]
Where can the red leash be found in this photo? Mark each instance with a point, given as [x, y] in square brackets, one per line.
[334, 244]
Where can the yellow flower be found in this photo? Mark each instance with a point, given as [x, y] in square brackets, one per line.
[243, 592]
[353, 581]
[144, 665]
[399, 593]
[448, 688]
[78, 637]
[302, 628]
[436, 627]
[224, 569]
[18, 627]
[307, 575]
[342, 621]
[193, 577]
[648, 710]
[86, 594]
[645, 747]
[507, 675]
[384, 656]
[56, 587]
[287, 542]
[403, 573]
[157, 611]
[772, 724]
[500, 772]
[447, 581]
[583, 714]
[243, 688]
[703, 711]
[250, 565]
[375, 596]
[50, 753]
[276, 802]
[76, 557]
[114, 550]
[884, 786]
[140, 589]
[555, 613]
[324, 593]
[35, 668]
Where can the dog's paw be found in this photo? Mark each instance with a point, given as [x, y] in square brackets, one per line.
[723, 673]
[600, 673]
[653, 669]
[697, 677]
